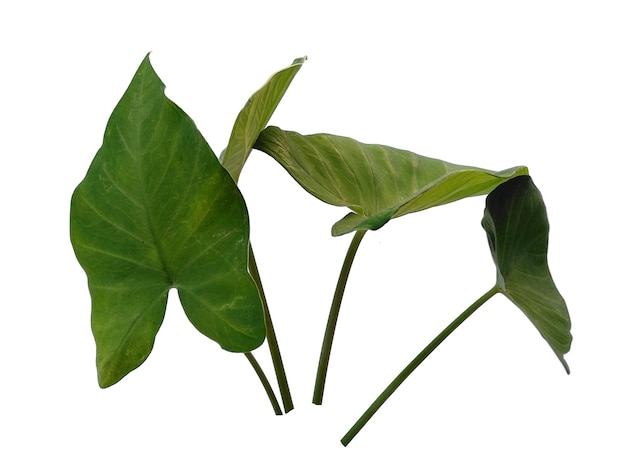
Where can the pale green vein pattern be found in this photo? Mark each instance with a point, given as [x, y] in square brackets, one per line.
[376, 182]
[517, 228]
[157, 211]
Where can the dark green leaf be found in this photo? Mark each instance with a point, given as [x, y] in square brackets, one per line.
[377, 182]
[516, 223]
[155, 211]
[254, 117]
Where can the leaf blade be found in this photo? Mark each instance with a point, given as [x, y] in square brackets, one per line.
[376, 182]
[517, 228]
[254, 116]
[157, 211]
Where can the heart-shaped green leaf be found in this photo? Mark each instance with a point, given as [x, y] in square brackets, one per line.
[254, 117]
[516, 223]
[377, 182]
[156, 210]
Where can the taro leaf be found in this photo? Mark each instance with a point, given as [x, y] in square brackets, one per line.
[517, 230]
[377, 182]
[156, 210]
[254, 117]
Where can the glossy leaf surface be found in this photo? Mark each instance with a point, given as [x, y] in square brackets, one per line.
[156, 210]
[376, 182]
[517, 227]
[254, 116]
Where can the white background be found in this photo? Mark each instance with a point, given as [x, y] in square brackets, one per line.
[490, 84]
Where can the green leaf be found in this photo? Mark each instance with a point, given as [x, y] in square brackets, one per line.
[517, 227]
[156, 210]
[376, 182]
[254, 117]
[249, 123]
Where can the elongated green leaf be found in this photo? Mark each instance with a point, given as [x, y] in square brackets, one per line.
[376, 182]
[254, 117]
[517, 227]
[155, 211]
[249, 123]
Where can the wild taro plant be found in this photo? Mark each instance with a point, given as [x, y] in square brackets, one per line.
[378, 183]
[157, 210]
[516, 224]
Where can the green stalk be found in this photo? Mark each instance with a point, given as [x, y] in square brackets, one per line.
[392, 387]
[265, 382]
[322, 367]
[272, 343]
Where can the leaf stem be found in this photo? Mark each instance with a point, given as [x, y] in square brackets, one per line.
[392, 387]
[265, 382]
[272, 342]
[322, 367]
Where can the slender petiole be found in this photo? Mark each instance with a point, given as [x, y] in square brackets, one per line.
[393, 386]
[265, 382]
[322, 367]
[272, 342]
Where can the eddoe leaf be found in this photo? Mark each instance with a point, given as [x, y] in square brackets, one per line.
[156, 210]
[254, 117]
[376, 182]
[516, 223]
[517, 228]
[249, 123]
